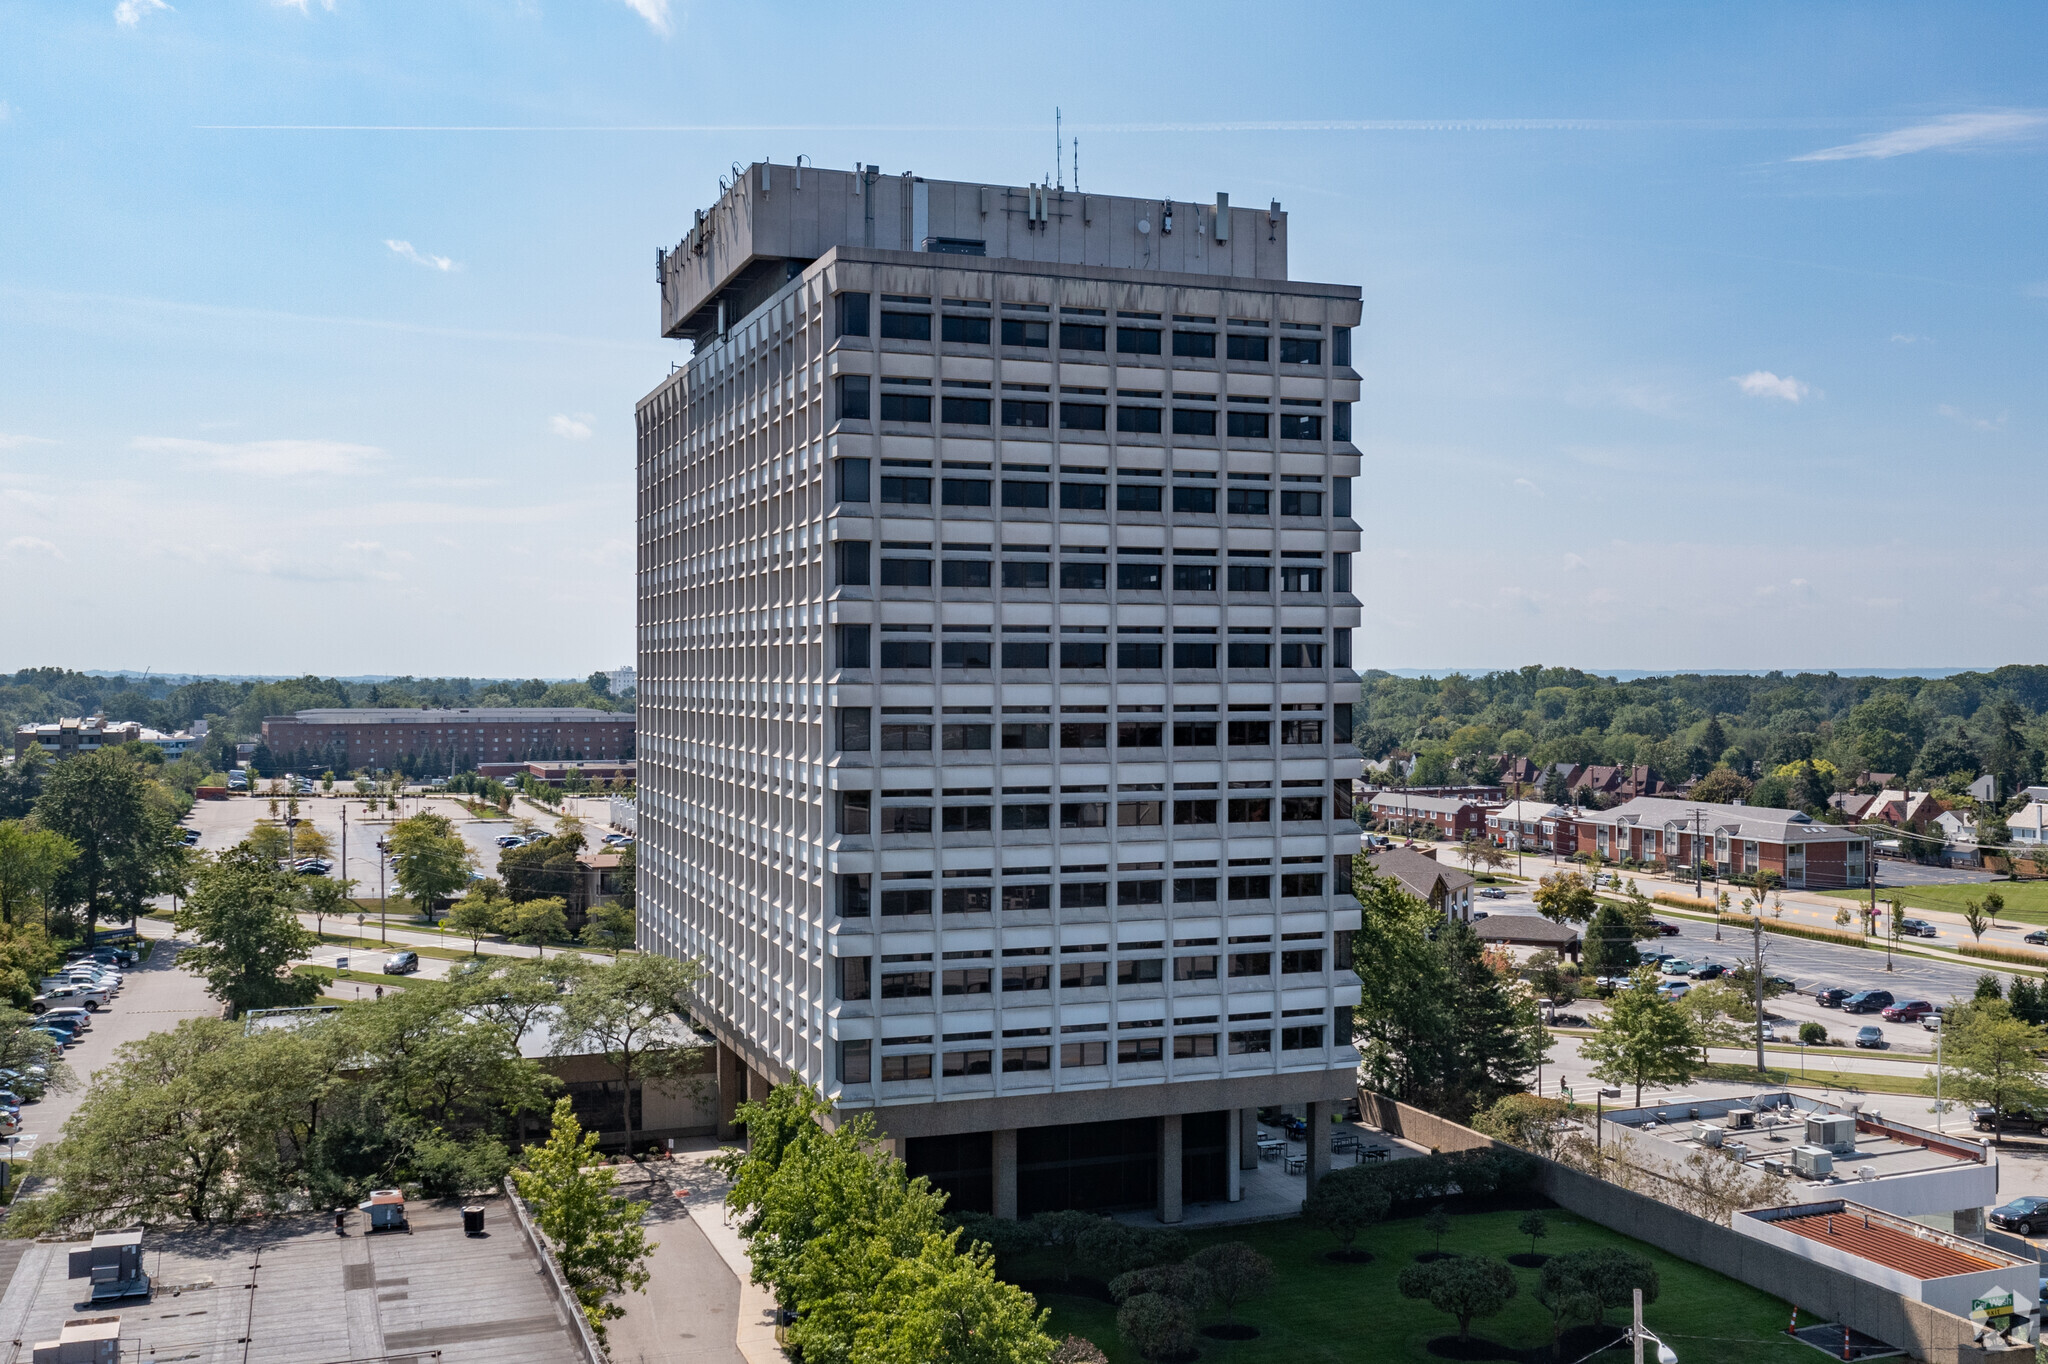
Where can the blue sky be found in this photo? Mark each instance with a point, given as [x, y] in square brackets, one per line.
[1693, 338]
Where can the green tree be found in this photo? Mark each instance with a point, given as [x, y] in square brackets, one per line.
[272, 842]
[325, 898]
[1565, 898]
[597, 1238]
[1610, 1276]
[1610, 946]
[475, 916]
[1156, 1326]
[946, 1304]
[1975, 919]
[1235, 1272]
[1721, 786]
[536, 922]
[1464, 1287]
[242, 910]
[1994, 1057]
[1645, 1039]
[1436, 1023]
[433, 862]
[516, 994]
[1345, 1203]
[32, 862]
[181, 1126]
[633, 1013]
[128, 848]
[1530, 1121]
[1535, 1226]
[609, 928]
[1437, 1222]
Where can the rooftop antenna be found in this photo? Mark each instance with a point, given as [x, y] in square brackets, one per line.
[1077, 165]
[1058, 147]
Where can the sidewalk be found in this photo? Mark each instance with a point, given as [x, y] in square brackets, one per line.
[696, 1247]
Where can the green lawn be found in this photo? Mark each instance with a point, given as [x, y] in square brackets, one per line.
[2025, 901]
[1322, 1313]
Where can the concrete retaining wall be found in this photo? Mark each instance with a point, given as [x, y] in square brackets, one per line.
[590, 1352]
[1816, 1289]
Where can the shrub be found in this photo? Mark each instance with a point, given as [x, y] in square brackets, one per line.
[1074, 1350]
[1463, 1288]
[1186, 1284]
[1813, 1034]
[1236, 1272]
[1692, 902]
[1155, 1326]
[2012, 954]
[1346, 1202]
[1112, 1248]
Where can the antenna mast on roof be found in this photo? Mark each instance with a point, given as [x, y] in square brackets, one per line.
[1077, 165]
[1058, 148]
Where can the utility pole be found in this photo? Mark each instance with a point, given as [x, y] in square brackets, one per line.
[1698, 863]
[1757, 968]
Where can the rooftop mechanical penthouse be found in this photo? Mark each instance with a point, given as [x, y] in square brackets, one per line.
[995, 673]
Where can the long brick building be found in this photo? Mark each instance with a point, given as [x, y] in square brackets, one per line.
[1736, 840]
[437, 742]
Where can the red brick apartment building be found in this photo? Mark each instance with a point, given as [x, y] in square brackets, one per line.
[1736, 840]
[379, 738]
[1453, 816]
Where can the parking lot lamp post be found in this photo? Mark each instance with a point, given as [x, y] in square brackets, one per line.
[1600, 1097]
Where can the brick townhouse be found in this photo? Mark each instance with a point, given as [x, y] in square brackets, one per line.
[1736, 840]
[1453, 816]
[378, 738]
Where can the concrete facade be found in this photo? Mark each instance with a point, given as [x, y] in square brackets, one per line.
[994, 661]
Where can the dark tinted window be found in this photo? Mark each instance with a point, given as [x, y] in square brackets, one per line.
[1140, 734]
[910, 491]
[971, 331]
[1081, 336]
[1083, 655]
[1249, 425]
[963, 573]
[909, 326]
[964, 738]
[1084, 735]
[1300, 426]
[1194, 812]
[967, 899]
[907, 901]
[853, 480]
[1137, 497]
[1083, 416]
[1026, 735]
[853, 314]
[906, 738]
[906, 572]
[1301, 350]
[964, 411]
[1197, 345]
[1194, 733]
[1251, 887]
[1235, 348]
[1027, 572]
[1019, 494]
[1017, 332]
[1023, 412]
[1188, 421]
[1025, 654]
[1024, 817]
[1084, 496]
[906, 653]
[853, 563]
[1195, 656]
[962, 819]
[1251, 656]
[966, 653]
[853, 397]
[853, 646]
[1194, 577]
[1141, 420]
[1140, 656]
[1086, 895]
[1250, 577]
[963, 492]
[1300, 504]
[1137, 341]
[1137, 577]
[906, 407]
[1027, 897]
[1195, 499]
[1083, 576]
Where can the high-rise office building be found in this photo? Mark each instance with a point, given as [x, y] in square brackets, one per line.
[995, 673]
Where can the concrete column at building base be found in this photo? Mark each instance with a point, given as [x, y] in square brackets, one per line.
[732, 1090]
[1970, 1222]
[1233, 1141]
[1318, 1119]
[1003, 1171]
[1169, 1168]
[1247, 1138]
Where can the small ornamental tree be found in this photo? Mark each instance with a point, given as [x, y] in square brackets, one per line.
[1464, 1288]
[1155, 1326]
[597, 1239]
[1236, 1272]
[1345, 1203]
[1437, 1223]
[1534, 1226]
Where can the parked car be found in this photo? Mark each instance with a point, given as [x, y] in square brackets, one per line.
[1908, 1011]
[1676, 989]
[1485, 892]
[1675, 967]
[1830, 996]
[1985, 1118]
[402, 964]
[1918, 928]
[1867, 1001]
[1871, 1036]
[1708, 970]
[62, 1036]
[189, 837]
[90, 997]
[1667, 930]
[2025, 1216]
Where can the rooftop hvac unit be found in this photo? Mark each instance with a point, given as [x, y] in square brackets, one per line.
[114, 1264]
[1813, 1162]
[1741, 1119]
[1739, 1151]
[1774, 1165]
[1706, 1134]
[82, 1340]
[1835, 1131]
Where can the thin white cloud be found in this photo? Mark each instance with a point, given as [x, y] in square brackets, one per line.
[438, 481]
[303, 6]
[571, 428]
[404, 251]
[1761, 383]
[129, 12]
[1962, 418]
[1530, 485]
[1950, 132]
[24, 546]
[1905, 338]
[267, 458]
[655, 12]
[10, 441]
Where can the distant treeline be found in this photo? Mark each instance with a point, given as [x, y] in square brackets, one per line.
[235, 710]
[1933, 732]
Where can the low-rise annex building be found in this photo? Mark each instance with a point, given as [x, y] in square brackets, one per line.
[1736, 840]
